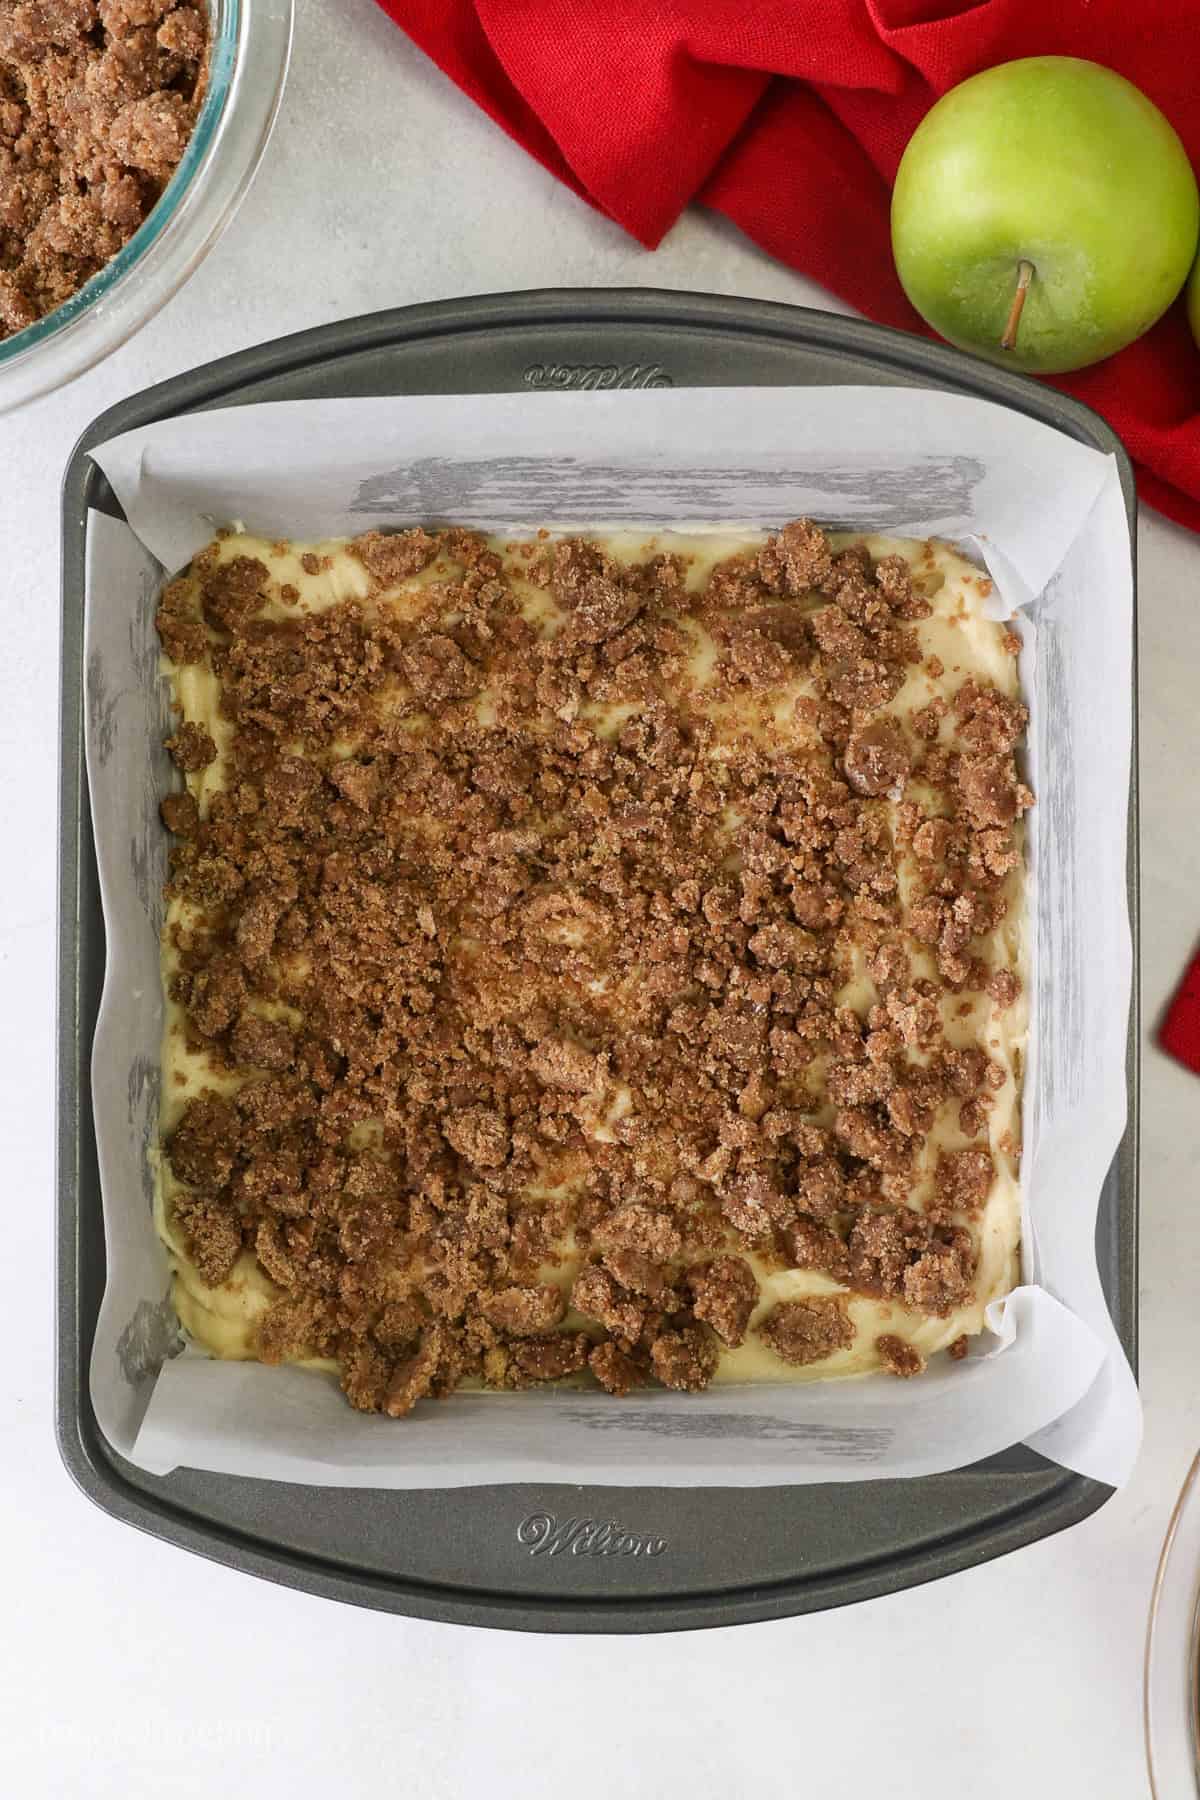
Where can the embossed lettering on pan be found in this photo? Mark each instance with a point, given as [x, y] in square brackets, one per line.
[596, 375]
[542, 1534]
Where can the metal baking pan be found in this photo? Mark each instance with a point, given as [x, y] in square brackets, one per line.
[532, 1557]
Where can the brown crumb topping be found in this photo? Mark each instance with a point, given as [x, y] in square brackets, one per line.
[807, 1331]
[615, 1371]
[724, 1295]
[684, 1359]
[517, 962]
[180, 814]
[97, 101]
[899, 1358]
[192, 748]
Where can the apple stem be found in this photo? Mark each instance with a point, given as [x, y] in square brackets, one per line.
[1024, 277]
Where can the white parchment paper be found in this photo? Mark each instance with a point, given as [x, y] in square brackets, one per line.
[1046, 516]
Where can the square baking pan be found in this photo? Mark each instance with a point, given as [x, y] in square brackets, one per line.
[542, 1557]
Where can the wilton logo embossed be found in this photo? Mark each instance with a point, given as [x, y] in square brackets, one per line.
[596, 375]
[544, 1535]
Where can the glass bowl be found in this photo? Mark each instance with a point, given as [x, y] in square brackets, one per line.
[251, 44]
[1171, 1689]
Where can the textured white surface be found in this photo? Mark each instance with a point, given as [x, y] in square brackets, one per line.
[128, 1667]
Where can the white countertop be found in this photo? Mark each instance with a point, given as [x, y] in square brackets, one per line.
[129, 1667]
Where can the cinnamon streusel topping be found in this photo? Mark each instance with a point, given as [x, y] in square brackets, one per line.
[97, 102]
[586, 966]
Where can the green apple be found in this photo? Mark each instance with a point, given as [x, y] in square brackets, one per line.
[1193, 300]
[1045, 214]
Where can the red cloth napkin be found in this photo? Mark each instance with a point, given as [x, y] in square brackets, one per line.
[790, 116]
[1179, 1033]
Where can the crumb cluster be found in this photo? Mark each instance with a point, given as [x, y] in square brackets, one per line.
[97, 101]
[513, 948]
